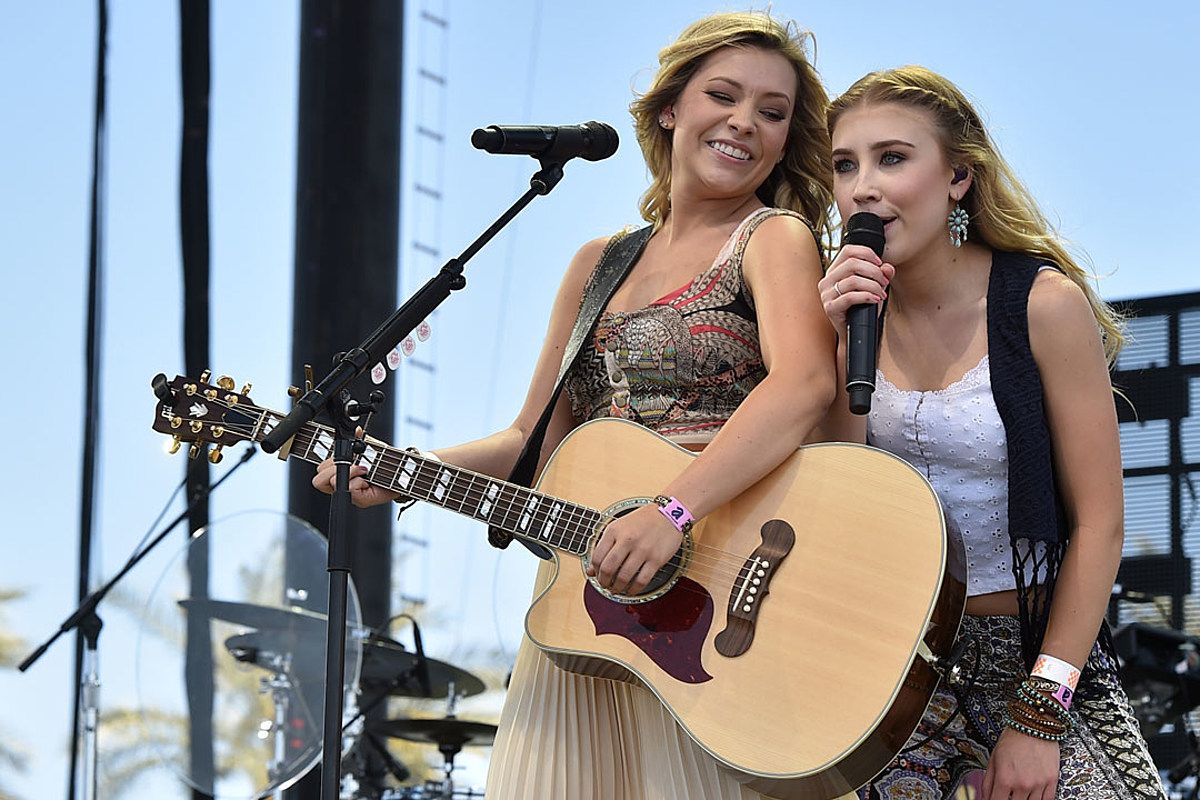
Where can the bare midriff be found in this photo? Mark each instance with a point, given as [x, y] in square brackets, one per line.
[993, 604]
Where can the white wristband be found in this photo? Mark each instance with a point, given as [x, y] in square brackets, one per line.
[1057, 670]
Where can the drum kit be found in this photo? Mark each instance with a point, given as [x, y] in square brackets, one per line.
[388, 670]
[1159, 669]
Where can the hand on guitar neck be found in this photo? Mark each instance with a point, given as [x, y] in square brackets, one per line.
[362, 493]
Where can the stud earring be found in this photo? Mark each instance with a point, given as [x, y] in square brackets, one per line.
[957, 222]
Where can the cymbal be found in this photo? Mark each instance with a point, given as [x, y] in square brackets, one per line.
[254, 616]
[385, 659]
[444, 732]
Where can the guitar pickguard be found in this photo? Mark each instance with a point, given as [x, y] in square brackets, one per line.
[670, 629]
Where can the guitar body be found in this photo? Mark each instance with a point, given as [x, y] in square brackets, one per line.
[831, 684]
[792, 635]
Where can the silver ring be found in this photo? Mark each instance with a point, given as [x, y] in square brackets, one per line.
[837, 292]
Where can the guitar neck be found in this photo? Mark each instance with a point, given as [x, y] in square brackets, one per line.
[522, 512]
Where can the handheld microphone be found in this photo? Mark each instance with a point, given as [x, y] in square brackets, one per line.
[862, 321]
[591, 141]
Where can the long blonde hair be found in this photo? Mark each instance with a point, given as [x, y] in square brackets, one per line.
[802, 181]
[1003, 213]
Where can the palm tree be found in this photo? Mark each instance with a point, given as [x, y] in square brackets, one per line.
[139, 740]
[12, 757]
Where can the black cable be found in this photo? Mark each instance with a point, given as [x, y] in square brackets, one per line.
[955, 656]
[91, 397]
[419, 670]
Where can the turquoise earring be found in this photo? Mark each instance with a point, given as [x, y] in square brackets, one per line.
[957, 222]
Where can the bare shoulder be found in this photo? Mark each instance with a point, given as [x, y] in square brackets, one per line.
[1061, 320]
[785, 243]
[587, 256]
[583, 263]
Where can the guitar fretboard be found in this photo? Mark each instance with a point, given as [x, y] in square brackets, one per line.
[522, 512]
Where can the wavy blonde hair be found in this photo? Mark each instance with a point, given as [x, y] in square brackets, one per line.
[802, 181]
[1004, 214]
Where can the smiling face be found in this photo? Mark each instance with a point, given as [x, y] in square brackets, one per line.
[730, 122]
[888, 159]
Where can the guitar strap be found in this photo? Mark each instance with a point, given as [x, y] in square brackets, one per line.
[618, 258]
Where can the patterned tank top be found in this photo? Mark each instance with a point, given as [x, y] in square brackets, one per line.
[681, 365]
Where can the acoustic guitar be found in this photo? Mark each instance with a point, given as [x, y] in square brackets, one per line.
[795, 635]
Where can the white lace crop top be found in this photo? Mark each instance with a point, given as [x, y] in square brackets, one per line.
[955, 437]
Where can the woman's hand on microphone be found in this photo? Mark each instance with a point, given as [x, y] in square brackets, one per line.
[857, 276]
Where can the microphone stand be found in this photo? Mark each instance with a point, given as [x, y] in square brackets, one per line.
[347, 367]
[89, 623]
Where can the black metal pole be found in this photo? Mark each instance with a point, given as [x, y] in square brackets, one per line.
[347, 251]
[92, 358]
[194, 59]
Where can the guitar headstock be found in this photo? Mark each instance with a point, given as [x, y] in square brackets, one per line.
[198, 412]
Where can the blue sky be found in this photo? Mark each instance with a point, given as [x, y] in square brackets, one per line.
[1092, 103]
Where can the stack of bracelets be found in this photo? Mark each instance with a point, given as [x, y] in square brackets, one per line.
[1040, 707]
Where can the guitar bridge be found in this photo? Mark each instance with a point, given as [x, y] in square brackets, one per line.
[752, 585]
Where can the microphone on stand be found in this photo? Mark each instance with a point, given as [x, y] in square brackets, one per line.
[862, 321]
[591, 141]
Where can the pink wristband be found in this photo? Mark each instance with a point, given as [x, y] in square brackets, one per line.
[675, 512]
[1064, 695]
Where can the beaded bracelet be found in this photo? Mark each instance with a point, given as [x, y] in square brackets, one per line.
[1026, 725]
[1042, 702]
[1025, 729]
[1035, 713]
[1057, 696]
[1023, 712]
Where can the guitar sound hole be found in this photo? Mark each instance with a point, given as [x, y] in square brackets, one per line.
[666, 575]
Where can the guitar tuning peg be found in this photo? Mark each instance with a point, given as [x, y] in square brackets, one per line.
[173, 447]
[215, 455]
[225, 382]
[246, 388]
[294, 392]
[193, 451]
[204, 376]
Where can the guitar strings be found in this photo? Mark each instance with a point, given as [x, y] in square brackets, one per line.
[579, 521]
[716, 561]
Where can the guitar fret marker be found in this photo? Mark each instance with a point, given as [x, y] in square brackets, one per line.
[405, 473]
[489, 500]
[370, 460]
[442, 482]
[322, 445]
[551, 520]
[527, 517]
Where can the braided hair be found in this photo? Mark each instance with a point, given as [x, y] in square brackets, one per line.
[1003, 213]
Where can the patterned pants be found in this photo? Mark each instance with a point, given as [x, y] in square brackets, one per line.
[1103, 758]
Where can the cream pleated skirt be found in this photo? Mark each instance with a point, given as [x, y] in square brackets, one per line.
[567, 737]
